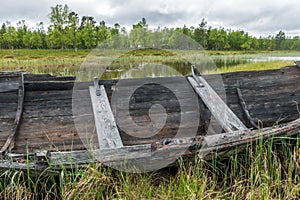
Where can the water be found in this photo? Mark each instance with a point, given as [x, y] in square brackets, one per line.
[279, 58]
[181, 66]
[233, 60]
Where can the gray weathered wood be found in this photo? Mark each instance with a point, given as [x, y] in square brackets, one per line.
[11, 74]
[10, 142]
[8, 84]
[227, 119]
[108, 134]
[146, 155]
[226, 141]
[245, 109]
[47, 122]
[106, 156]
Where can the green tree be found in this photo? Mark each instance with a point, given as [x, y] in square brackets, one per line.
[218, 39]
[279, 39]
[10, 36]
[54, 38]
[102, 32]
[26, 39]
[239, 40]
[200, 34]
[59, 21]
[2, 32]
[139, 34]
[22, 29]
[36, 40]
[41, 31]
[87, 32]
[72, 29]
[296, 43]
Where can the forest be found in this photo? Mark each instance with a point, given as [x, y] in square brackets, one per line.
[67, 30]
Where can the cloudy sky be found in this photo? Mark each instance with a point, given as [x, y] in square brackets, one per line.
[258, 17]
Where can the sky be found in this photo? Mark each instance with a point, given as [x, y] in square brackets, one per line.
[257, 17]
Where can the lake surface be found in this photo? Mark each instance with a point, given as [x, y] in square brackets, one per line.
[204, 63]
[232, 60]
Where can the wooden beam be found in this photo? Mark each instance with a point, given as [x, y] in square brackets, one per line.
[107, 130]
[10, 142]
[10, 74]
[227, 119]
[226, 141]
[204, 145]
[106, 156]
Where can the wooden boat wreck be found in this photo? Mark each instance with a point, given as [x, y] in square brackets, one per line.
[38, 122]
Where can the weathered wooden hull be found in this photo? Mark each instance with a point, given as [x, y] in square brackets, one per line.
[43, 126]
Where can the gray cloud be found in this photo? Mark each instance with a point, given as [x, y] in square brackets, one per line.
[255, 16]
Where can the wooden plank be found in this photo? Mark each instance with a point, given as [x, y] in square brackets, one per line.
[49, 85]
[47, 77]
[156, 152]
[6, 127]
[9, 84]
[10, 142]
[108, 134]
[9, 97]
[49, 95]
[169, 149]
[73, 145]
[106, 156]
[227, 119]
[226, 141]
[10, 74]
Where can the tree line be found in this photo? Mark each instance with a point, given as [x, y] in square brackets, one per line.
[68, 31]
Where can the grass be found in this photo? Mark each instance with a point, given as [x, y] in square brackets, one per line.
[256, 66]
[54, 62]
[264, 170]
[60, 63]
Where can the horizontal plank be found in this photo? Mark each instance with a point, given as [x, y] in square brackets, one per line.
[50, 95]
[8, 84]
[47, 77]
[106, 156]
[9, 97]
[10, 74]
[178, 80]
[46, 146]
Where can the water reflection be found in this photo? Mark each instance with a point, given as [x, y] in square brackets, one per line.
[279, 58]
[145, 69]
[130, 68]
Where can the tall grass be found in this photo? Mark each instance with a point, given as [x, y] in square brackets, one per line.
[264, 170]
